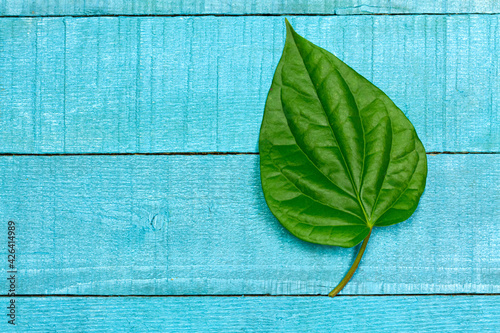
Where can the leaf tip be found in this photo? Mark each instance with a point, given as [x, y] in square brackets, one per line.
[289, 28]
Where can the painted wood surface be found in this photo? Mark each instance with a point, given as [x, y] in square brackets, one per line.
[193, 84]
[186, 7]
[259, 314]
[196, 225]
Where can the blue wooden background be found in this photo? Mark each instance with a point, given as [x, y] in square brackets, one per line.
[107, 111]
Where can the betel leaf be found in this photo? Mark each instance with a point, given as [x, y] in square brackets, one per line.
[337, 157]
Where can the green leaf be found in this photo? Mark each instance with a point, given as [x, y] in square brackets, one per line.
[337, 157]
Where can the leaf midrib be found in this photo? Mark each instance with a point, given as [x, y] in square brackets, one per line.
[367, 220]
[307, 155]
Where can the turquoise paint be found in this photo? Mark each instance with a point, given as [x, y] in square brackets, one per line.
[195, 225]
[187, 7]
[260, 314]
[132, 85]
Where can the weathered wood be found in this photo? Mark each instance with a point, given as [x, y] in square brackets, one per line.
[157, 225]
[258, 314]
[191, 84]
[183, 7]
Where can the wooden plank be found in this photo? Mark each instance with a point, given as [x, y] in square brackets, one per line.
[184, 84]
[258, 314]
[177, 225]
[186, 7]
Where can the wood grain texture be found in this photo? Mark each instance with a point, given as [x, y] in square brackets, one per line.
[259, 314]
[186, 7]
[193, 84]
[179, 225]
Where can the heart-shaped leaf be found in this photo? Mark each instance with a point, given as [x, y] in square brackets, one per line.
[337, 157]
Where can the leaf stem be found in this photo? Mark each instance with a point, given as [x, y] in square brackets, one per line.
[353, 268]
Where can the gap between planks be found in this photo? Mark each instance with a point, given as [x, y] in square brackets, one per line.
[248, 15]
[256, 295]
[432, 153]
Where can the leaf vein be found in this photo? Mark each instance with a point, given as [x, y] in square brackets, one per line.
[402, 192]
[310, 158]
[349, 172]
[310, 197]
